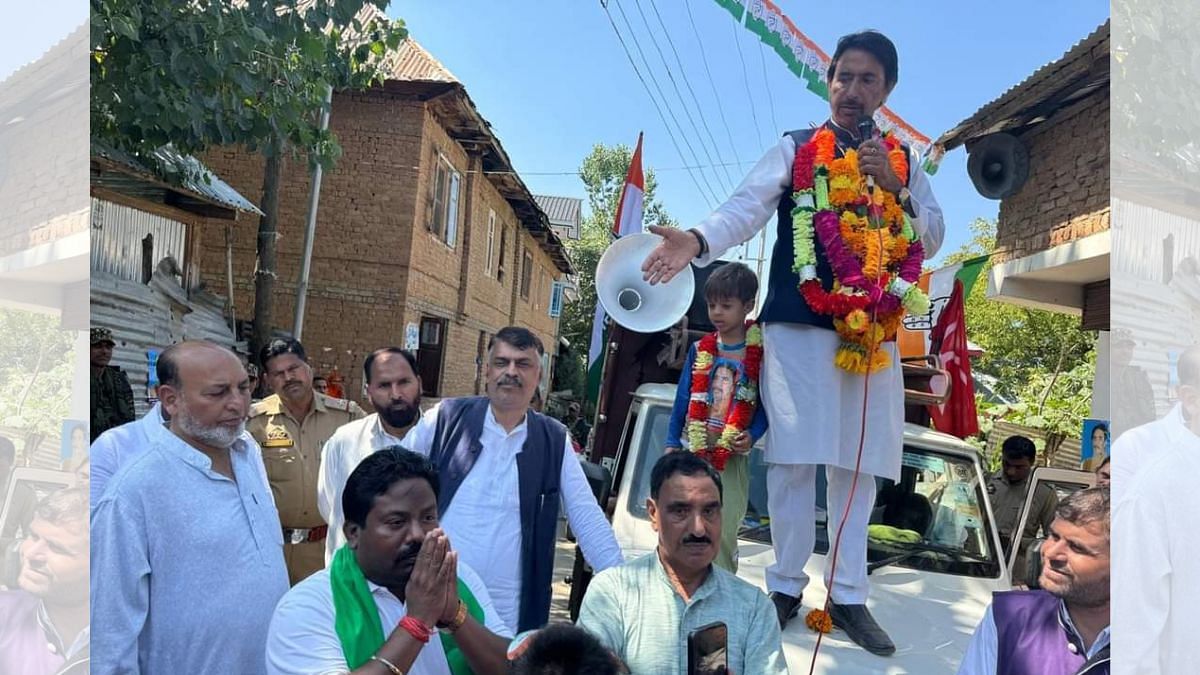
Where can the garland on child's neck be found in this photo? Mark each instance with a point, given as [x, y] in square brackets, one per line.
[741, 411]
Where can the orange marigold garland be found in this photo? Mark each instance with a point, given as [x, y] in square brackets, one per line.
[741, 411]
[870, 244]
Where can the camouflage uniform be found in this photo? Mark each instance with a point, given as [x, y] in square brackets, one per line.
[292, 454]
[112, 397]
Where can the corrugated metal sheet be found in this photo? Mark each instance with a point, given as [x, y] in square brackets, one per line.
[410, 62]
[166, 166]
[117, 234]
[561, 210]
[1042, 85]
[144, 317]
[46, 454]
[1147, 240]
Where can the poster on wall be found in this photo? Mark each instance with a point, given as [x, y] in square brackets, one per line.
[1094, 445]
[74, 439]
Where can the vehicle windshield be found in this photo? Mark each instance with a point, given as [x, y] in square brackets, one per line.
[938, 501]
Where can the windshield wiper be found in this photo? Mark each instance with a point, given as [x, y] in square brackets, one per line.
[917, 548]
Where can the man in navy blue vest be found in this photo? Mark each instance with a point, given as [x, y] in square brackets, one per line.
[1062, 629]
[504, 470]
[816, 409]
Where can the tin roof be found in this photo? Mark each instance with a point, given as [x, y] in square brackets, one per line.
[560, 210]
[179, 180]
[1081, 71]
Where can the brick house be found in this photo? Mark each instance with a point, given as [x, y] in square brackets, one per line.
[423, 229]
[1052, 238]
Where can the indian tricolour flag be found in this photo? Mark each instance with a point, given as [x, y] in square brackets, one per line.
[913, 336]
[628, 221]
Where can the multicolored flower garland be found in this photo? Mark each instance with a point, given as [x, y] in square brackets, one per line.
[870, 244]
[741, 411]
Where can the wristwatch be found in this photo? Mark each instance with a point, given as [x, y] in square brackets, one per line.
[703, 243]
[905, 199]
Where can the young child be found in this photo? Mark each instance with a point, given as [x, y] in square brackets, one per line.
[716, 412]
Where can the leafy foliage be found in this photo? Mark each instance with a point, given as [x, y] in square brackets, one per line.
[603, 175]
[36, 358]
[212, 72]
[1019, 343]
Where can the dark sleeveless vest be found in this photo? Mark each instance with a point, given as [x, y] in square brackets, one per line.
[456, 446]
[784, 303]
[1032, 638]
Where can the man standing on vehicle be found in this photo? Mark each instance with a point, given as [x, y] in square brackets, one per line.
[816, 406]
[1063, 628]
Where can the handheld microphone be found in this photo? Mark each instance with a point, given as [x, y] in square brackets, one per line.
[866, 131]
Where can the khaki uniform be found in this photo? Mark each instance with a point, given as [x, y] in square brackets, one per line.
[292, 454]
[1007, 502]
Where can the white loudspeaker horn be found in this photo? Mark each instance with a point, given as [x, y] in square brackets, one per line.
[633, 302]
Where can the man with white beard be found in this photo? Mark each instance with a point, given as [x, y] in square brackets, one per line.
[187, 549]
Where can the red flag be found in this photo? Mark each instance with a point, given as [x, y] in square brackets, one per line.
[957, 416]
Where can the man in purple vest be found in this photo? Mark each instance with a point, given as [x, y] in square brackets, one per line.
[1062, 629]
[44, 623]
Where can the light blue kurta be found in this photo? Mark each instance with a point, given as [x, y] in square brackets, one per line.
[187, 565]
[634, 611]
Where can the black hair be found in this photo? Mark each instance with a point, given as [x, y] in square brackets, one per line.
[376, 474]
[520, 338]
[167, 366]
[68, 505]
[685, 463]
[1084, 507]
[874, 43]
[731, 281]
[565, 649]
[370, 360]
[279, 347]
[1019, 447]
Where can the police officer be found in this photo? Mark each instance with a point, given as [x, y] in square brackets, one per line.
[292, 425]
[1008, 489]
[112, 397]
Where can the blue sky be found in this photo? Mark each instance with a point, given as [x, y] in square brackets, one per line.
[553, 80]
[30, 29]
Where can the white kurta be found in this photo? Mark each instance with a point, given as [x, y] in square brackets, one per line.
[342, 453]
[806, 397]
[1155, 590]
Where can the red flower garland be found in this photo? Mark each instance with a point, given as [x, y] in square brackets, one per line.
[741, 410]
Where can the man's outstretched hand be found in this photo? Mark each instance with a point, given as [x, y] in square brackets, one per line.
[669, 258]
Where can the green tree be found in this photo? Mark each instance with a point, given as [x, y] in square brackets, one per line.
[603, 175]
[1044, 362]
[1019, 343]
[35, 372]
[254, 73]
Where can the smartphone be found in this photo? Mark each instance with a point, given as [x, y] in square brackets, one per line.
[707, 650]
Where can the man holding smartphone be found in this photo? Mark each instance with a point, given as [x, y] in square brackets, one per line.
[639, 610]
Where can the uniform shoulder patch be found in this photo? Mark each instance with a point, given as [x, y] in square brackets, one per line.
[277, 437]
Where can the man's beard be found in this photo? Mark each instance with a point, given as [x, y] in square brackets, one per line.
[214, 436]
[400, 415]
[1084, 594]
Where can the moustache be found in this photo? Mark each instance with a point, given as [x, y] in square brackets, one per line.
[693, 539]
[408, 553]
[509, 380]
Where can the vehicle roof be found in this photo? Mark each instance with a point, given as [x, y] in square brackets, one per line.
[924, 437]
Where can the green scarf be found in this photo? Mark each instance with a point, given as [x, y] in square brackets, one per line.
[356, 618]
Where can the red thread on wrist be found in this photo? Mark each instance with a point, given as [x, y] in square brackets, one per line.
[417, 628]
